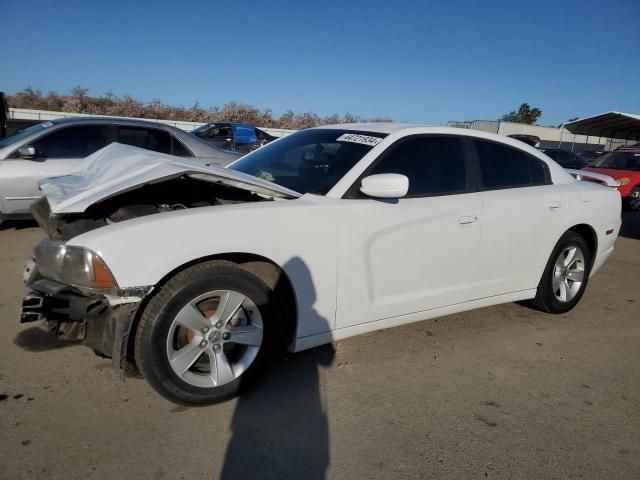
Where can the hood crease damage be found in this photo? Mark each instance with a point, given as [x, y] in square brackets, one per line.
[120, 182]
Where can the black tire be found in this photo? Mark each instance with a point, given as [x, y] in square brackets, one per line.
[156, 319]
[545, 299]
[632, 201]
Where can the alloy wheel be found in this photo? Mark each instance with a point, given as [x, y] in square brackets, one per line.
[568, 273]
[214, 338]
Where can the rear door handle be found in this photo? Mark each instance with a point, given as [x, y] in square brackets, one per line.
[466, 219]
[555, 205]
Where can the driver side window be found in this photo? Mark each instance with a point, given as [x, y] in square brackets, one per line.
[434, 165]
[72, 142]
[222, 133]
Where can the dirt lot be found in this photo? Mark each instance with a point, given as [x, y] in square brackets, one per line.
[503, 392]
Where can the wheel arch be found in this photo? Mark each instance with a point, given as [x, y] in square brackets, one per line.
[272, 274]
[589, 234]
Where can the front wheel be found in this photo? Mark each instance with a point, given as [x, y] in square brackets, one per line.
[565, 276]
[206, 334]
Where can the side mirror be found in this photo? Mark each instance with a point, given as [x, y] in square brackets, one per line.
[27, 152]
[385, 185]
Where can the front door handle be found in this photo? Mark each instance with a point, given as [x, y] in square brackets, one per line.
[553, 206]
[466, 219]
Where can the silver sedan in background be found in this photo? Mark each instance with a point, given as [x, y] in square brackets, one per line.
[57, 147]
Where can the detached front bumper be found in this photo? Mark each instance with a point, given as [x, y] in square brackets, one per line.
[100, 322]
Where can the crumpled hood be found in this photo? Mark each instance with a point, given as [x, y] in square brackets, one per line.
[118, 168]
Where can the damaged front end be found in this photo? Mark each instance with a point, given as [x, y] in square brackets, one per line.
[72, 290]
[172, 194]
[93, 311]
[120, 182]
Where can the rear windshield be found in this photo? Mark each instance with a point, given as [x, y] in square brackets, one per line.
[309, 161]
[619, 161]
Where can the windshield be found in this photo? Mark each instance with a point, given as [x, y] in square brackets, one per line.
[24, 133]
[202, 129]
[310, 161]
[619, 161]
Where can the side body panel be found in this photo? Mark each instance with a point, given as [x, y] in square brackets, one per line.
[346, 332]
[600, 207]
[19, 180]
[520, 227]
[405, 256]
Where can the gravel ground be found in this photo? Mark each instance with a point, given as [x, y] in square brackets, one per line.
[502, 392]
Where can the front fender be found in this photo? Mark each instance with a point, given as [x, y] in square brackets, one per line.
[298, 235]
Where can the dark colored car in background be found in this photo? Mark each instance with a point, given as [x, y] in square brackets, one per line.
[237, 137]
[566, 158]
[531, 140]
[589, 155]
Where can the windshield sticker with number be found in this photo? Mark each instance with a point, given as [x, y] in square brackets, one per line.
[362, 139]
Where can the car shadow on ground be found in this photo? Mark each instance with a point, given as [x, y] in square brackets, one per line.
[37, 339]
[280, 428]
[17, 224]
[630, 225]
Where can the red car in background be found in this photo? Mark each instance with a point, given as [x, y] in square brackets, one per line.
[623, 164]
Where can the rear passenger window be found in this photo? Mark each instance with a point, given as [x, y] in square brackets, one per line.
[505, 167]
[434, 165]
[180, 150]
[150, 139]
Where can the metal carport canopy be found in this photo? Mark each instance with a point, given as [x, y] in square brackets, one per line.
[610, 125]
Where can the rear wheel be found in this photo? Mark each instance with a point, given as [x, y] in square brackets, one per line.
[565, 276]
[206, 334]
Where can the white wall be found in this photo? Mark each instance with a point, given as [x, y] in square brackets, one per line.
[551, 134]
[545, 133]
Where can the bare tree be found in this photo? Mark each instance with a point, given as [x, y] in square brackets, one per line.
[79, 101]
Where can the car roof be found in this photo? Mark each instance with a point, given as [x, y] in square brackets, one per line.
[231, 124]
[196, 145]
[374, 127]
[110, 121]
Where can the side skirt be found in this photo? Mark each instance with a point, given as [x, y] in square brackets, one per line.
[311, 341]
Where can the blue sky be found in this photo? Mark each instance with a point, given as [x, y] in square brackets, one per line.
[417, 61]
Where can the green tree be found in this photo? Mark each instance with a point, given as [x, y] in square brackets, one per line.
[524, 114]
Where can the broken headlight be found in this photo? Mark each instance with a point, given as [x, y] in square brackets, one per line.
[72, 265]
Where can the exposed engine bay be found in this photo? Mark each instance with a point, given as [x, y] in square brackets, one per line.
[179, 193]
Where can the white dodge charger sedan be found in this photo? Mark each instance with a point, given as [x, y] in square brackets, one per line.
[196, 276]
